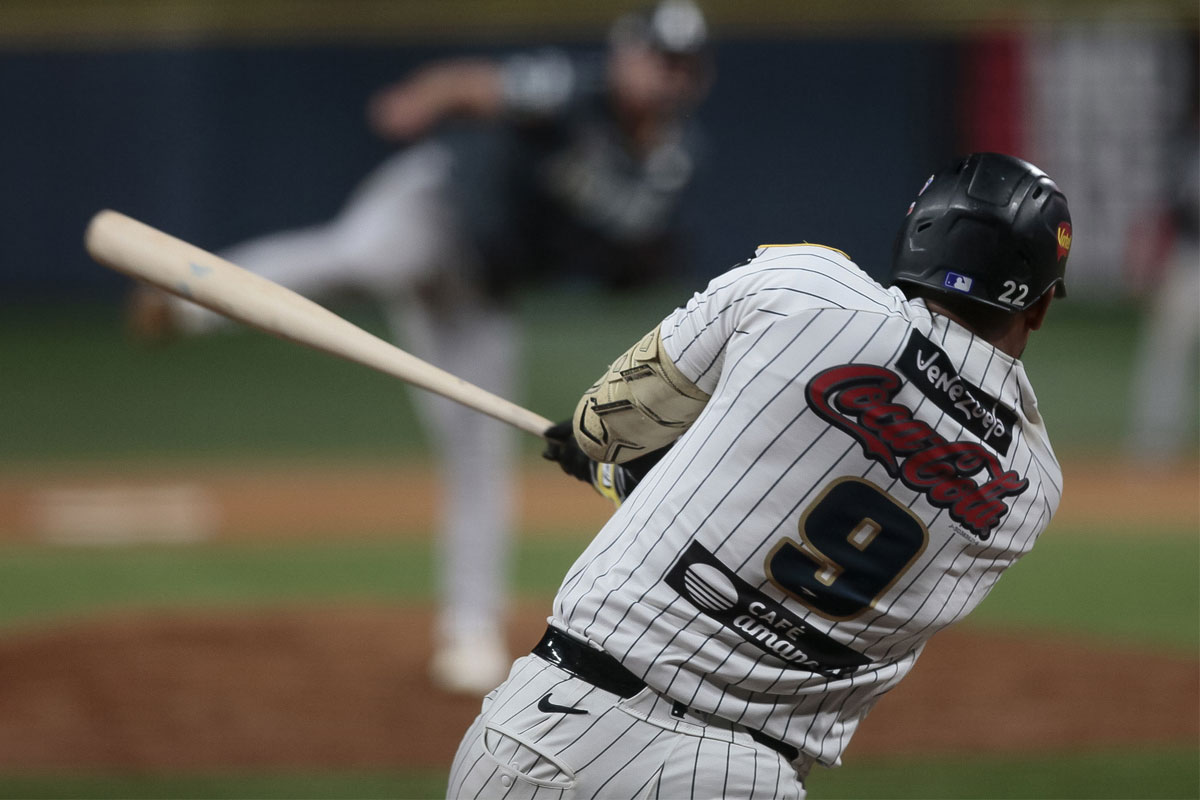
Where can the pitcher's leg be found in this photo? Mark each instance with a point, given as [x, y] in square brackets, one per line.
[1163, 389]
[476, 458]
[391, 234]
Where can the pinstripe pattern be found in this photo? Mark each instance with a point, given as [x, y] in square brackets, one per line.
[759, 456]
[633, 748]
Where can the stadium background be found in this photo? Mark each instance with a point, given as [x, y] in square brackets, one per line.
[222, 490]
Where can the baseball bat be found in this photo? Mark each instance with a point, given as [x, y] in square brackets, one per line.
[145, 253]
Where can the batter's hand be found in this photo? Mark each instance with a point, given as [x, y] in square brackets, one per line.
[614, 481]
[561, 447]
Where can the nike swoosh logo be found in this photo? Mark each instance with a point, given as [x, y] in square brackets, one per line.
[545, 706]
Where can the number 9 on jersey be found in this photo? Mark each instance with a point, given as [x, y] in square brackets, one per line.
[855, 542]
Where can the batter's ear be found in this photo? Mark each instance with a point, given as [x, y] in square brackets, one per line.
[1036, 314]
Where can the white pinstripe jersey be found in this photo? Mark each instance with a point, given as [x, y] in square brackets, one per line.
[862, 474]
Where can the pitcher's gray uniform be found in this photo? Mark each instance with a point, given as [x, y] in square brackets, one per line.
[860, 476]
[573, 170]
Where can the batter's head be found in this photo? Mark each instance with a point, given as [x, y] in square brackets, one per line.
[989, 228]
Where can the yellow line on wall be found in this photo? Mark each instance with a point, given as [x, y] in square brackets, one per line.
[69, 24]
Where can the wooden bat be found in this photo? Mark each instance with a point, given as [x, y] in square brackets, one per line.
[140, 251]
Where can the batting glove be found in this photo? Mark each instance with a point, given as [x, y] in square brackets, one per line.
[614, 481]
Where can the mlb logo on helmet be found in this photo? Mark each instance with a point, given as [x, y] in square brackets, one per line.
[959, 283]
[1064, 240]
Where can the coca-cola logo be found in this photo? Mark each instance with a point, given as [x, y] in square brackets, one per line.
[859, 399]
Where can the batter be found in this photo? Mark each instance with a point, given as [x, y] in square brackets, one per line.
[817, 474]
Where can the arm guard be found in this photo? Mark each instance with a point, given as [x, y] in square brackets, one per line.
[642, 403]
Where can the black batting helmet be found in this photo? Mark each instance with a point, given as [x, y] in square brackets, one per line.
[991, 228]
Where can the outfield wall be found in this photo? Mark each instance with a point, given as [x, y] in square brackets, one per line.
[218, 120]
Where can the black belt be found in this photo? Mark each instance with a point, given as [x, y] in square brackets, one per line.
[605, 672]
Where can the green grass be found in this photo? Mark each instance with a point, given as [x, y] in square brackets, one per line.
[237, 575]
[266, 786]
[81, 391]
[74, 388]
[1101, 583]
[1148, 773]
[1106, 583]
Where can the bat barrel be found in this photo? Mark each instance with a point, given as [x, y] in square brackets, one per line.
[148, 254]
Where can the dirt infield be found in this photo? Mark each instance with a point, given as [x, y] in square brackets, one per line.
[345, 687]
[270, 502]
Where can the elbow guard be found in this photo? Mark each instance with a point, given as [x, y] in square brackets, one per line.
[642, 403]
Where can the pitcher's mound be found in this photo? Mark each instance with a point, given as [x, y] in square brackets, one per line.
[347, 688]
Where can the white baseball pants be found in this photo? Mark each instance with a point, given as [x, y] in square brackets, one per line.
[547, 734]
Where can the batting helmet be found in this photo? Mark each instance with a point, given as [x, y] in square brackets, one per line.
[991, 228]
